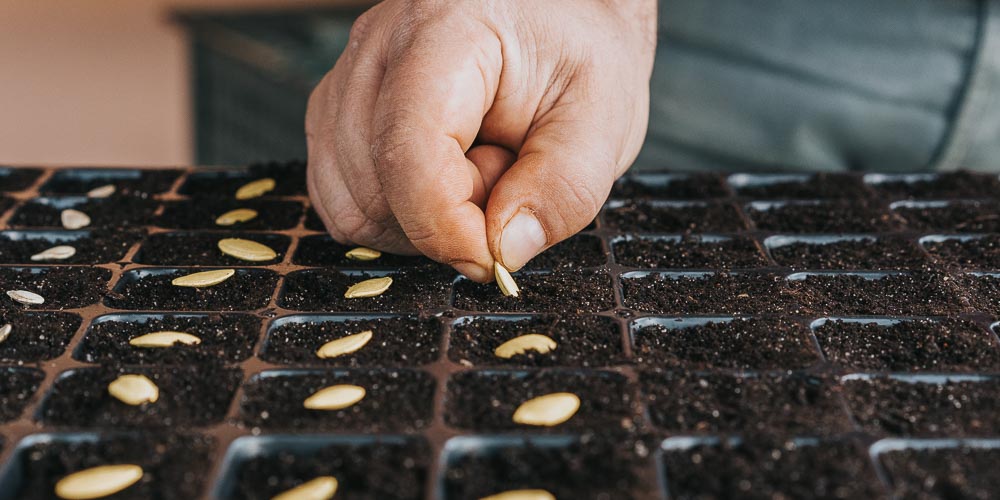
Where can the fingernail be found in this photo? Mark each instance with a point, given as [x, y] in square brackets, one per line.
[522, 239]
[472, 271]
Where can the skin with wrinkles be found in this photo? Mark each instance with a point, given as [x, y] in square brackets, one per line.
[445, 119]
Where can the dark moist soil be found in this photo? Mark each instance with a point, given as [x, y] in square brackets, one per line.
[419, 289]
[980, 253]
[123, 211]
[843, 216]
[188, 397]
[917, 345]
[247, 290]
[828, 470]
[18, 179]
[148, 182]
[578, 251]
[818, 186]
[394, 402]
[652, 218]
[323, 251]
[290, 180]
[371, 470]
[313, 222]
[5, 203]
[691, 252]
[100, 247]
[17, 385]
[959, 216]
[961, 472]
[789, 404]
[758, 343]
[61, 287]
[960, 185]
[586, 341]
[202, 249]
[879, 253]
[564, 290]
[920, 293]
[174, 465]
[396, 341]
[716, 293]
[201, 214]
[486, 400]
[582, 469]
[984, 291]
[686, 187]
[225, 339]
[949, 409]
[36, 336]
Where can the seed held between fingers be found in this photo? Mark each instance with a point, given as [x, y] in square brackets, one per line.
[255, 188]
[335, 397]
[74, 219]
[519, 345]
[61, 252]
[204, 278]
[344, 345]
[363, 254]
[505, 281]
[164, 339]
[236, 216]
[368, 288]
[134, 390]
[521, 495]
[26, 297]
[98, 482]
[246, 249]
[548, 410]
[320, 488]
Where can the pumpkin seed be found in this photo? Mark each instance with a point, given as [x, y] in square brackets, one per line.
[246, 249]
[134, 390]
[101, 191]
[26, 297]
[321, 488]
[505, 281]
[520, 345]
[164, 339]
[548, 410]
[236, 216]
[363, 254]
[335, 397]
[254, 189]
[74, 219]
[204, 278]
[61, 252]
[5, 332]
[98, 482]
[344, 345]
[521, 495]
[368, 288]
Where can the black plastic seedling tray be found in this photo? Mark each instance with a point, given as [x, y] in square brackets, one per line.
[741, 336]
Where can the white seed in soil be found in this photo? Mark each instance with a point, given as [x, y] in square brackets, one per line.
[236, 216]
[320, 488]
[246, 249]
[101, 191]
[363, 254]
[344, 345]
[26, 297]
[529, 342]
[74, 219]
[521, 495]
[204, 278]
[255, 188]
[98, 482]
[335, 397]
[134, 390]
[548, 410]
[5, 332]
[368, 288]
[505, 281]
[61, 252]
[164, 339]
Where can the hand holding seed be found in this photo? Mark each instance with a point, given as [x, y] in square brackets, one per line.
[475, 132]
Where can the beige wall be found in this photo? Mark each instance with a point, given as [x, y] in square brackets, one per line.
[100, 82]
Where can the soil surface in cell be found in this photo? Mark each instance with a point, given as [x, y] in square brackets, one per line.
[817, 186]
[146, 183]
[580, 340]
[759, 344]
[313, 222]
[18, 179]
[202, 213]
[957, 185]
[690, 252]
[916, 294]
[375, 470]
[62, 288]
[188, 397]
[289, 177]
[394, 402]
[322, 250]
[654, 218]
[486, 400]
[419, 289]
[960, 216]
[978, 253]
[225, 338]
[123, 211]
[100, 247]
[202, 249]
[17, 386]
[769, 404]
[396, 341]
[246, 290]
[564, 290]
[984, 292]
[680, 187]
[36, 336]
[715, 293]
[878, 253]
[578, 251]
[962, 472]
[841, 216]
[174, 465]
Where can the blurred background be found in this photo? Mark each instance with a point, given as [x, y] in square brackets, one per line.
[162, 82]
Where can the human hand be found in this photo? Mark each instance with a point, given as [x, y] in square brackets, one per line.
[467, 129]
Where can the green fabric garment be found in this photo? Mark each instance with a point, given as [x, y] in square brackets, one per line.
[886, 85]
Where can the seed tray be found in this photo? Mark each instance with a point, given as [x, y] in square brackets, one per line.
[698, 308]
[939, 468]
